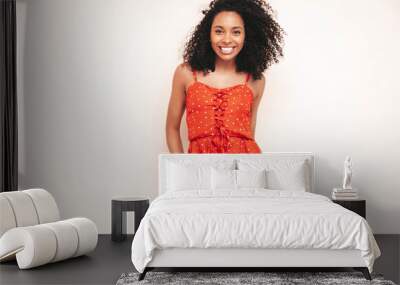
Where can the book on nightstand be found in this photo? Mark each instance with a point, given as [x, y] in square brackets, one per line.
[344, 194]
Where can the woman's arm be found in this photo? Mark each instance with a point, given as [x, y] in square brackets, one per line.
[176, 108]
[258, 93]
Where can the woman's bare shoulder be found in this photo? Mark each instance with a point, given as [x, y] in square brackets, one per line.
[183, 73]
[184, 70]
[260, 81]
[258, 85]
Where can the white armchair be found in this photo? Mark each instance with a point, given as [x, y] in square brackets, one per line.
[31, 230]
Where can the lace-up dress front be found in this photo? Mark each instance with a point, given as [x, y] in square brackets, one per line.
[219, 119]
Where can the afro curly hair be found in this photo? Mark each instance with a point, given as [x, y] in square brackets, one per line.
[263, 38]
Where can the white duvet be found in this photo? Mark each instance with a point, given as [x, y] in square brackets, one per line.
[250, 218]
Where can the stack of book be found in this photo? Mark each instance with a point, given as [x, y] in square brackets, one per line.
[344, 194]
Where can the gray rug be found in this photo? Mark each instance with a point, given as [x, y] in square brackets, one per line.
[243, 278]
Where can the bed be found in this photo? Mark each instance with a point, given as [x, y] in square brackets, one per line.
[245, 211]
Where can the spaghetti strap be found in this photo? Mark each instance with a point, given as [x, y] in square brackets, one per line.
[247, 78]
[194, 75]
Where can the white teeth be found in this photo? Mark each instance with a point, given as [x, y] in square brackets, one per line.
[226, 50]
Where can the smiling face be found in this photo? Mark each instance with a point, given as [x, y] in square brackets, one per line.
[227, 35]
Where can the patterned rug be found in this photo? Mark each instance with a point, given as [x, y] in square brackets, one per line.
[244, 278]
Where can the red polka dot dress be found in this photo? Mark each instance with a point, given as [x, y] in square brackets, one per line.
[219, 119]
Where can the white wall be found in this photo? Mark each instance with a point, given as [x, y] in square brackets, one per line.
[95, 77]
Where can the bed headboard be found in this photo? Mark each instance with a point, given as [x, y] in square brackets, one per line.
[164, 158]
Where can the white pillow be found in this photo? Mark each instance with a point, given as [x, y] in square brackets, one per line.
[236, 179]
[251, 178]
[188, 177]
[281, 174]
[223, 179]
[287, 179]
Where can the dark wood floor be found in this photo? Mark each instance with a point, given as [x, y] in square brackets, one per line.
[110, 260]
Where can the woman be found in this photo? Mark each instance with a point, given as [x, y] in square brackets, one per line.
[220, 83]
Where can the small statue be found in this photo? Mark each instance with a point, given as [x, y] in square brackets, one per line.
[348, 172]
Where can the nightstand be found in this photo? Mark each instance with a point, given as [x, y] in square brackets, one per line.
[119, 207]
[357, 206]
